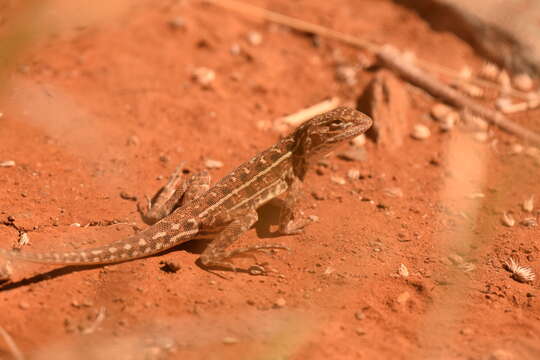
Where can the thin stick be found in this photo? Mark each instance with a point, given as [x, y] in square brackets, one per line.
[307, 113]
[393, 59]
[308, 27]
[294, 23]
[17, 354]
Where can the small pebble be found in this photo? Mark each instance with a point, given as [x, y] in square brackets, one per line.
[439, 111]
[516, 149]
[360, 331]
[24, 305]
[353, 174]
[329, 270]
[280, 303]
[448, 122]
[75, 225]
[393, 192]
[7, 163]
[359, 140]
[467, 331]
[229, 340]
[133, 140]
[313, 218]
[213, 164]
[501, 354]
[403, 297]
[169, 267]
[522, 82]
[235, 49]
[338, 180]
[480, 136]
[254, 38]
[359, 315]
[504, 81]
[471, 90]
[177, 23]
[489, 71]
[403, 271]
[532, 151]
[346, 74]
[354, 154]
[420, 132]
[256, 270]
[474, 122]
[203, 76]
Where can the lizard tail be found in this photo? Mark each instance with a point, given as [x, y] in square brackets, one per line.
[148, 242]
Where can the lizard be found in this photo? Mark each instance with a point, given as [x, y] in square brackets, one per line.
[188, 209]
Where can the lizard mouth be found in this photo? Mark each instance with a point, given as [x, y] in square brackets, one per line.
[348, 133]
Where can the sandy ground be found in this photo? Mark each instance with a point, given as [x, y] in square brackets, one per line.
[102, 103]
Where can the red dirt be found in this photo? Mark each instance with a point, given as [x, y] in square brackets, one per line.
[99, 78]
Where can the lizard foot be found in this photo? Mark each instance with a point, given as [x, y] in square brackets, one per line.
[296, 227]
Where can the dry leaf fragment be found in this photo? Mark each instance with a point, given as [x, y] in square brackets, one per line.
[528, 204]
[508, 219]
[24, 239]
[393, 192]
[529, 222]
[467, 267]
[519, 273]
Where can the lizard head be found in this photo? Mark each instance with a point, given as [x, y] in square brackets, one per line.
[321, 134]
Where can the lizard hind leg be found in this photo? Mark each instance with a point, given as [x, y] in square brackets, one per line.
[175, 193]
[217, 255]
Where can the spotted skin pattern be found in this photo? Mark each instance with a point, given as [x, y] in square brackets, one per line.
[186, 210]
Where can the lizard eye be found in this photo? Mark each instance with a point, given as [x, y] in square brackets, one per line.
[336, 123]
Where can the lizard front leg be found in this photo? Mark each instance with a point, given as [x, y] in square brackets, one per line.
[290, 221]
[174, 194]
[217, 255]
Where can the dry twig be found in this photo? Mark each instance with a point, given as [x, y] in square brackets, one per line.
[307, 113]
[393, 59]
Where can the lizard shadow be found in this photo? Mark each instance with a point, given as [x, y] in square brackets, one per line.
[269, 215]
